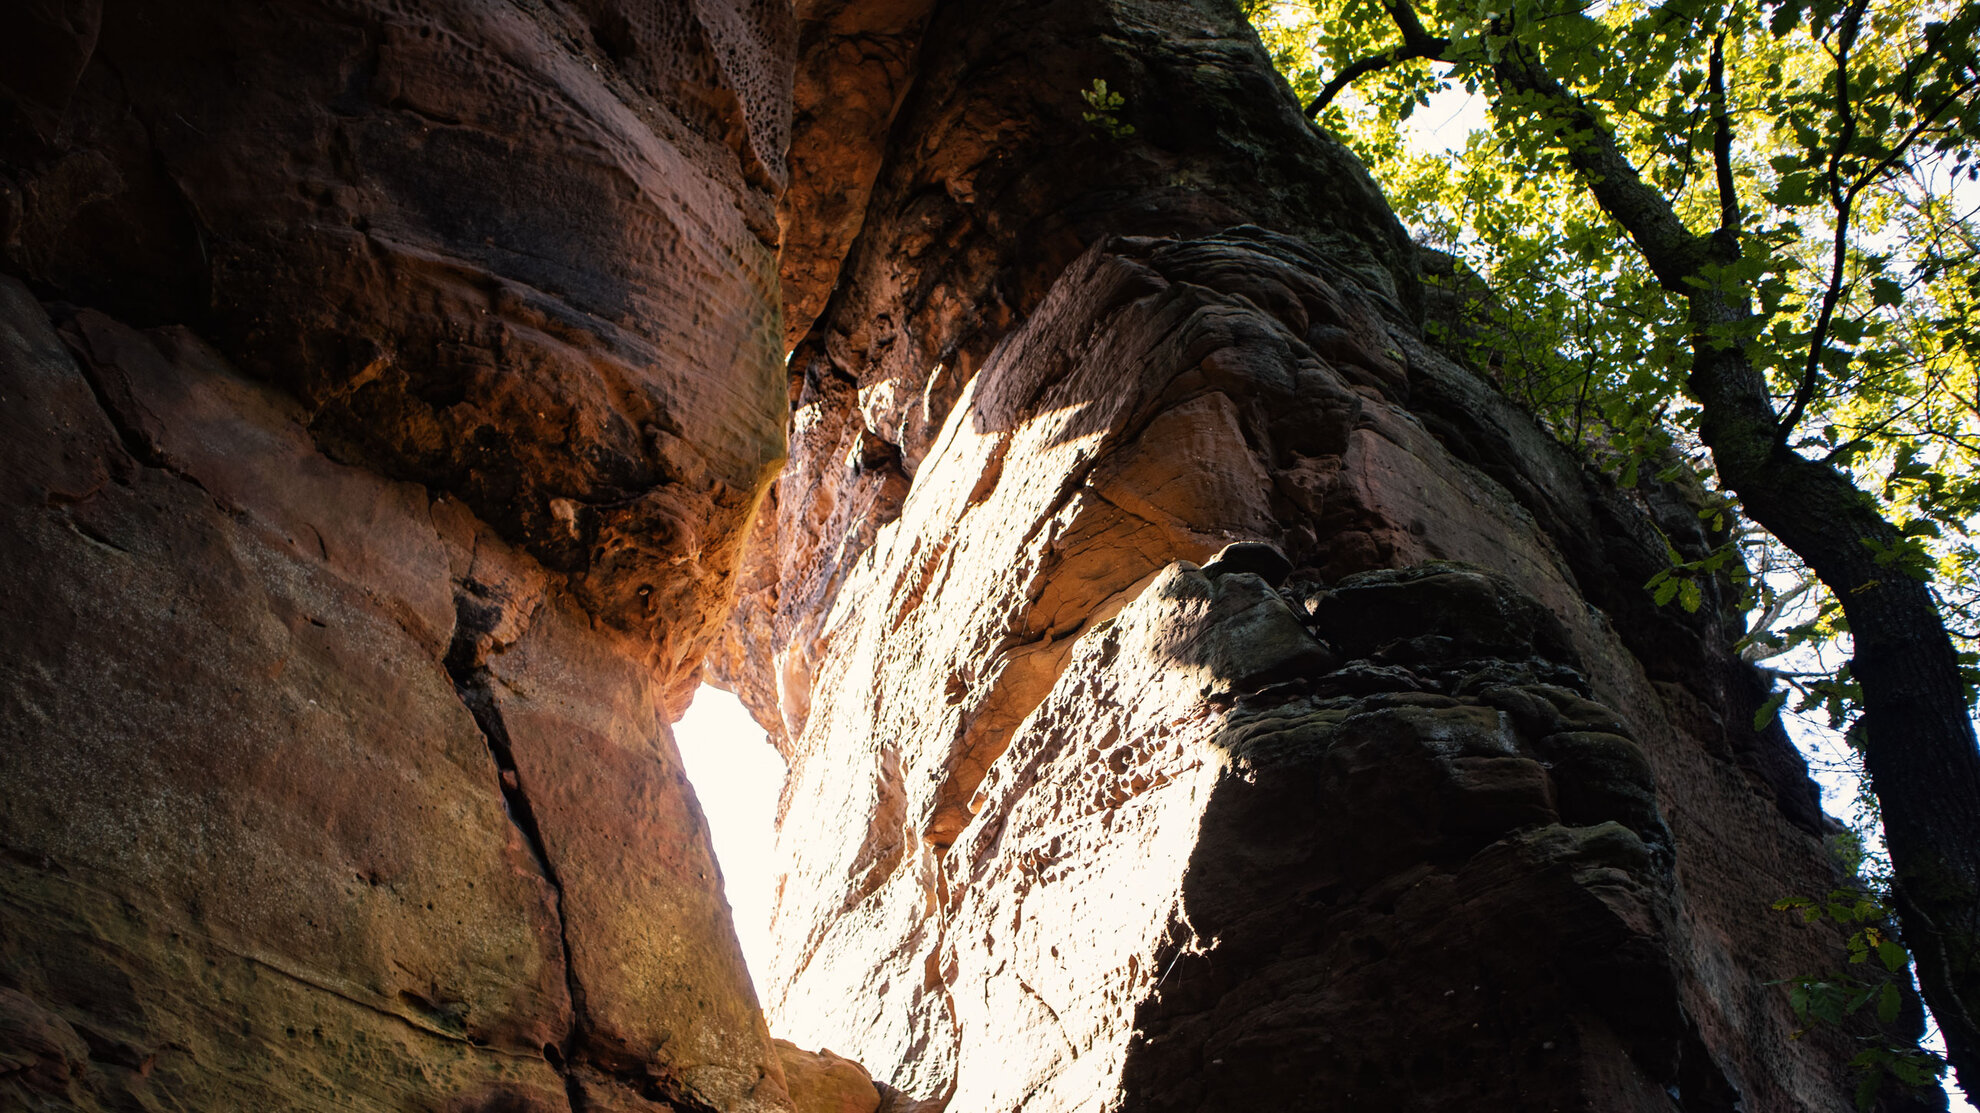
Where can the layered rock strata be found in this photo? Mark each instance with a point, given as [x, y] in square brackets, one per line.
[522, 254]
[384, 388]
[1202, 694]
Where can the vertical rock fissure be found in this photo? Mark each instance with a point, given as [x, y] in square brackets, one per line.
[474, 619]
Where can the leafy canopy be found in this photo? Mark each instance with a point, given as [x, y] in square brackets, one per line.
[1748, 225]
[1852, 155]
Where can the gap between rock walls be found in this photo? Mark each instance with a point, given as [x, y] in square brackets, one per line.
[1192, 690]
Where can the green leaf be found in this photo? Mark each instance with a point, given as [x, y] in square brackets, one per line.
[1893, 955]
[1866, 1090]
[1888, 1003]
[1767, 713]
[1688, 595]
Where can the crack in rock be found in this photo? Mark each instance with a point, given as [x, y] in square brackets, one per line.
[476, 617]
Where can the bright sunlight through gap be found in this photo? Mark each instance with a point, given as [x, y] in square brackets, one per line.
[737, 775]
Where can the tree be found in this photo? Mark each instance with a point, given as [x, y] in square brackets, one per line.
[1799, 297]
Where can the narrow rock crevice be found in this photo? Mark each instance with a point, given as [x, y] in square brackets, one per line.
[476, 616]
[292, 263]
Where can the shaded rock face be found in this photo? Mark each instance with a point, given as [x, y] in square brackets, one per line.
[1199, 692]
[522, 254]
[382, 390]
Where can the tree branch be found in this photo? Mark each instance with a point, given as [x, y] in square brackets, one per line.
[1811, 372]
[1406, 21]
[1676, 256]
[1729, 213]
[1360, 67]
[1417, 43]
[1843, 201]
[1777, 608]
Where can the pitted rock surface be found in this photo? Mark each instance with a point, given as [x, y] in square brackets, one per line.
[385, 389]
[327, 739]
[1169, 829]
[523, 255]
[1081, 812]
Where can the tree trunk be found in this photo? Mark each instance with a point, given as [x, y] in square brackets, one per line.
[1921, 753]
[1920, 750]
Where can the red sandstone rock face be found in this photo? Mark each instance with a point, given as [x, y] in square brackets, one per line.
[1428, 840]
[381, 414]
[855, 61]
[349, 597]
[321, 795]
[1449, 819]
[521, 254]
[821, 1082]
[993, 184]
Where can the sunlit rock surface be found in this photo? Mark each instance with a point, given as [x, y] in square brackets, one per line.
[1080, 807]
[382, 405]
[1409, 801]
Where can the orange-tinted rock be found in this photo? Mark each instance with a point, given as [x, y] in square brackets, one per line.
[227, 752]
[821, 1082]
[1200, 693]
[855, 61]
[1204, 843]
[989, 183]
[329, 740]
[1432, 811]
[523, 255]
[349, 593]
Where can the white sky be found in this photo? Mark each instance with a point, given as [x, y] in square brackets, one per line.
[737, 775]
[1446, 122]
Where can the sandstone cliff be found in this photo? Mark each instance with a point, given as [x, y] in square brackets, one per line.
[1200, 693]
[1410, 800]
[385, 396]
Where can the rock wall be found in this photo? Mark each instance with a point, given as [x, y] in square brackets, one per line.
[1202, 694]
[382, 390]
[1199, 692]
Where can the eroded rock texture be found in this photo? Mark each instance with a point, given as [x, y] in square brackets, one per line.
[1200, 693]
[518, 253]
[382, 390]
